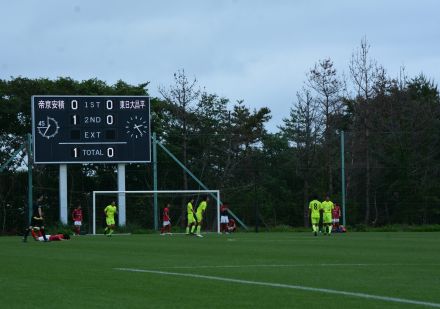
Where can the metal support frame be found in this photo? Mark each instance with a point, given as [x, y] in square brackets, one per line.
[196, 179]
[343, 176]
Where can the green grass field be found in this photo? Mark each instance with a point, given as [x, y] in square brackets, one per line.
[243, 270]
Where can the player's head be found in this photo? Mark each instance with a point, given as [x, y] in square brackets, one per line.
[66, 236]
[206, 198]
[327, 197]
[113, 203]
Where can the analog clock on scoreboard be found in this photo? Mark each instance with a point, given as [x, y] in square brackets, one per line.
[91, 129]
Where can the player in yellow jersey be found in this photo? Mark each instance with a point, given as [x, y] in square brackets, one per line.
[315, 214]
[327, 207]
[199, 214]
[191, 220]
[110, 212]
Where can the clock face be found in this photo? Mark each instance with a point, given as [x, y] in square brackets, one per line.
[136, 127]
[48, 128]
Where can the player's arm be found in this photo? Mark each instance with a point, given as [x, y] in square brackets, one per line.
[40, 212]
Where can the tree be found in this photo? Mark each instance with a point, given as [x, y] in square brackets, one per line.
[182, 97]
[303, 131]
[366, 76]
[323, 79]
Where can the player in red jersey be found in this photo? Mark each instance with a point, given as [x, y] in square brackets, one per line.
[231, 226]
[336, 214]
[166, 225]
[224, 220]
[77, 219]
[36, 234]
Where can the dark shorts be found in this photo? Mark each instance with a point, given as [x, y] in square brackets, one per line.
[37, 222]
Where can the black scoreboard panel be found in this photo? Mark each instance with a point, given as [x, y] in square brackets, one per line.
[91, 129]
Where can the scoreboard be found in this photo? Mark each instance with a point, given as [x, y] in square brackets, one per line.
[91, 129]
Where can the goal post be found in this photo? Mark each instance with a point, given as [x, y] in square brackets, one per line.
[143, 203]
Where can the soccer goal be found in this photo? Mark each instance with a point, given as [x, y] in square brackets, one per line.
[143, 209]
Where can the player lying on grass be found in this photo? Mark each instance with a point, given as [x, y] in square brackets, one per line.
[36, 234]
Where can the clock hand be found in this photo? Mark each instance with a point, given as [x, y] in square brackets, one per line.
[137, 128]
[47, 128]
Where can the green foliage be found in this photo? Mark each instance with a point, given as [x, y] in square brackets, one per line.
[227, 147]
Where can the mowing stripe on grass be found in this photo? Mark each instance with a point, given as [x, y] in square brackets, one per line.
[287, 286]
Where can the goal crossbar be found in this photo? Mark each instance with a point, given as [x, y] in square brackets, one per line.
[214, 193]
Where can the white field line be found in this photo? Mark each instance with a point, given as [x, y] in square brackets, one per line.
[295, 265]
[287, 286]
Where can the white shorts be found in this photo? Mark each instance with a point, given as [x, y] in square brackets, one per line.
[335, 220]
[77, 223]
[165, 223]
[224, 219]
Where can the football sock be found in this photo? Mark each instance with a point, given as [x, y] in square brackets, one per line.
[106, 230]
[329, 229]
[314, 228]
[26, 233]
[43, 233]
[187, 230]
[198, 229]
[111, 232]
[193, 228]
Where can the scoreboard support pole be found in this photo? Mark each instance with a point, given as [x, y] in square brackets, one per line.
[121, 195]
[63, 193]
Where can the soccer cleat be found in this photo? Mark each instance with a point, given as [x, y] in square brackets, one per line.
[198, 235]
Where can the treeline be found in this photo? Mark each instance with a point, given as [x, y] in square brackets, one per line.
[392, 149]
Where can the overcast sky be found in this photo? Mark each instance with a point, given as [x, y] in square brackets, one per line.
[258, 51]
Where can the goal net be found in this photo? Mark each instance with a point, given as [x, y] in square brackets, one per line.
[143, 210]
